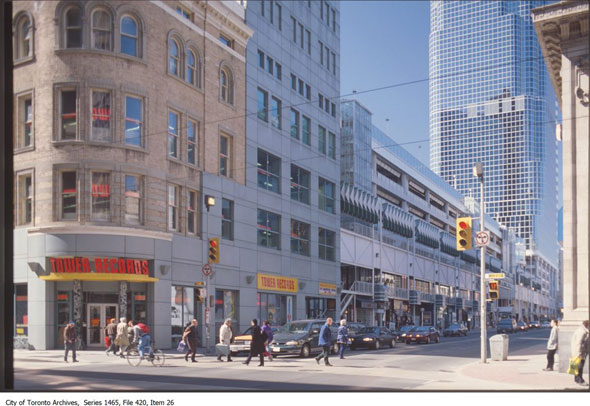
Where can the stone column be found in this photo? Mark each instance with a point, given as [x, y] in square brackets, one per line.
[78, 309]
[122, 299]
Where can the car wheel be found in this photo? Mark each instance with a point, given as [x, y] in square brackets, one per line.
[392, 343]
[428, 340]
[305, 351]
[377, 345]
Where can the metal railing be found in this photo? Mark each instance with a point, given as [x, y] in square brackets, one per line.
[426, 297]
[395, 292]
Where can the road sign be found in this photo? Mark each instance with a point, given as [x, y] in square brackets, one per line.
[495, 276]
[207, 269]
[482, 238]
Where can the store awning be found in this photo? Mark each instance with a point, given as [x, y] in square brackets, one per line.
[98, 277]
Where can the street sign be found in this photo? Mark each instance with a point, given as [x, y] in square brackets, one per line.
[495, 275]
[207, 269]
[482, 238]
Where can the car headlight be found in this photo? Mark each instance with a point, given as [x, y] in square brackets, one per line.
[404, 334]
[418, 335]
[367, 339]
[294, 342]
[352, 339]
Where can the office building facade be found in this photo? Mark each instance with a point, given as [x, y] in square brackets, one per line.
[491, 101]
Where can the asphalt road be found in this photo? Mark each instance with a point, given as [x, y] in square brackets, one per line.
[401, 368]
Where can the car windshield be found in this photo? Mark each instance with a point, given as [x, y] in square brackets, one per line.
[421, 329]
[505, 322]
[405, 329]
[368, 330]
[295, 328]
[455, 326]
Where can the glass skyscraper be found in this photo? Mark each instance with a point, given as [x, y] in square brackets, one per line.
[491, 101]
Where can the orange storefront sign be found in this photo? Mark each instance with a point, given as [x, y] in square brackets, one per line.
[277, 283]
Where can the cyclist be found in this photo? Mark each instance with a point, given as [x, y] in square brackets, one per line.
[141, 337]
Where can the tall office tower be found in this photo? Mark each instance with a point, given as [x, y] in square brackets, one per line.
[491, 101]
[355, 141]
[293, 159]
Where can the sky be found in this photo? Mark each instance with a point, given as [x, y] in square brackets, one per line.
[384, 43]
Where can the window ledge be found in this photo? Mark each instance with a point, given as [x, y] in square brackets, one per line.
[23, 61]
[226, 104]
[184, 82]
[94, 229]
[24, 149]
[183, 163]
[109, 144]
[92, 51]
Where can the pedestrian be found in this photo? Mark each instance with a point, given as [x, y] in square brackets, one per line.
[268, 331]
[111, 332]
[325, 342]
[122, 338]
[256, 344]
[70, 340]
[551, 346]
[225, 335]
[190, 339]
[130, 334]
[342, 338]
[579, 348]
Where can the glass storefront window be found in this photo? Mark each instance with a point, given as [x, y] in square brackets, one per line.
[64, 314]
[182, 311]
[273, 308]
[320, 308]
[226, 307]
[21, 319]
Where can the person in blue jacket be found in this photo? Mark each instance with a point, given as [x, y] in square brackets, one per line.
[326, 342]
[342, 339]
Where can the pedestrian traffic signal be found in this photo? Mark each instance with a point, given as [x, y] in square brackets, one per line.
[214, 250]
[463, 233]
[494, 290]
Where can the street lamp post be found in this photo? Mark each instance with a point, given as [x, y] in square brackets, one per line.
[478, 172]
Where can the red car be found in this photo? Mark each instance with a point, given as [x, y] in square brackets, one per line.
[423, 334]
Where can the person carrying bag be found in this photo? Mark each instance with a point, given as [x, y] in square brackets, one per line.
[225, 335]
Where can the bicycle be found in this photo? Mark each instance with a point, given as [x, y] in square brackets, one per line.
[155, 356]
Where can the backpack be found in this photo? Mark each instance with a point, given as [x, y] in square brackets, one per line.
[145, 329]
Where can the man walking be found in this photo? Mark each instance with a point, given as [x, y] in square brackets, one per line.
[122, 339]
[225, 335]
[325, 341]
[190, 338]
[70, 340]
[257, 344]
[111, 332]
[579, 348]
[551, 346]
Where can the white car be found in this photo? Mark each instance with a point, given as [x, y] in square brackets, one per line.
[545, 324]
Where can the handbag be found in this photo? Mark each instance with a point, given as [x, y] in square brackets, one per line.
[222, 349]
[181, 346]
[107, 341]
[574, 365]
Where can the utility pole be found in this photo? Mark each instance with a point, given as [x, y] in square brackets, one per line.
[478, 172]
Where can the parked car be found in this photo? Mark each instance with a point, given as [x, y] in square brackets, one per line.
[457, 329]
[545, 324]
[400, 335]
[534, 324]
[506, 326]
[241, 343]
[423, 334]
[301, 337]
[354, 327]
[522, 326]
[373, 337]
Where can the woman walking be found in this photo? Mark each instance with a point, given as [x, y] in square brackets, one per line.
[551, 346]
[342, 338]
[122, 338]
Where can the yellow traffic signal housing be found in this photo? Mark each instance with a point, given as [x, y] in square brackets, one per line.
[464, 233]
[494, 290]
[213, 250]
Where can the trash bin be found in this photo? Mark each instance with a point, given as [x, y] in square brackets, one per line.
[499, 347]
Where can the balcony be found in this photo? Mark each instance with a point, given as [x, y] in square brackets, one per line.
[393, 292]
[360, 288]
[426, 297]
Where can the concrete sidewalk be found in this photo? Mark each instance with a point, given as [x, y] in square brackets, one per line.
[518, 373]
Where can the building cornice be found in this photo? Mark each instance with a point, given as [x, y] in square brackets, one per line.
[553, 24]
[227, 17]
[99, 230]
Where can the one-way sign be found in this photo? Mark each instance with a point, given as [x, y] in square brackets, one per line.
[482, 238]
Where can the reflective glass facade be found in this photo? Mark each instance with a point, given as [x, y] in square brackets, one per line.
[491, 101]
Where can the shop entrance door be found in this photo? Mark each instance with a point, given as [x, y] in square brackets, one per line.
[98, 316]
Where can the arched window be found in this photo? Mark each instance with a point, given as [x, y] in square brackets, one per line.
[173, 58]
[191, 67]
[24, 38]
[130, 37]
[101, 30]
[226, 85]
[73, 26]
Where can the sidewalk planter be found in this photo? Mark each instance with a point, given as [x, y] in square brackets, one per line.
[499, 347]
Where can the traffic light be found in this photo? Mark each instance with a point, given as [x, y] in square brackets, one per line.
[463, 233]
[214, 250]
[493, 290]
